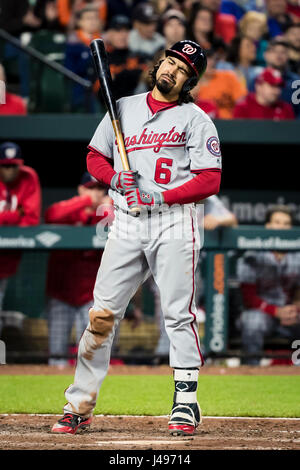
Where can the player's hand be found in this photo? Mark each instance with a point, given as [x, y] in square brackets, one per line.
[288, 315]
[210, 222]
[140, 198]
[124, 180]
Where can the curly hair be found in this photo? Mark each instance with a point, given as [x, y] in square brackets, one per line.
[184, 95]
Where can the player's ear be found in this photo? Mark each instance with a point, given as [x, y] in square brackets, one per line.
[80, 189]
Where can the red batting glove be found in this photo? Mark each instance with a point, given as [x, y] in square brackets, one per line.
[139, 197]
[124, 180]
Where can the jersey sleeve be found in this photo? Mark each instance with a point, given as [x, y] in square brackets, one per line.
[104, 137]
[203, 146]
[247, 268]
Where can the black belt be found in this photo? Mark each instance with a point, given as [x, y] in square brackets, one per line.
[137, 214]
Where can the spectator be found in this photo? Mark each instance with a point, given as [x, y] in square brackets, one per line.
[242, 54]
[68, 9]
[48, 88]
[209, 107]
[220, 86]
[17, 17]
[143, 38]
[268, 281]
[173, 27]
[254, 25]
[276, 56]
[14, 104]
[72, 273]
[20, 204]
[224, 24]
[292, 37]
[201, 28]
[235, 8]
[293, 9]
[265, 102]
[47, 12]
[278, 18]
[121, 7]
[126, 67]
[79, 58]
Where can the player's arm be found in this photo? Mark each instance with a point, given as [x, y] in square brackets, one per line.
[10, 217]
[30, 206]
[100, 161]
[69, 211]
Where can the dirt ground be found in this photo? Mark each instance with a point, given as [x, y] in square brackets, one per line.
[20, 432]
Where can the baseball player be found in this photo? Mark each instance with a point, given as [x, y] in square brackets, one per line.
[72, 273]
[20, 205]
[175, 160]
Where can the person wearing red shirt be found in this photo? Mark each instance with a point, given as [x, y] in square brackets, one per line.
[224, 23]
[10, 103]
[72, 273]
[20, 204]
[265, 102]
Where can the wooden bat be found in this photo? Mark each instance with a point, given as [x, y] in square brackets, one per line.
[104, 76]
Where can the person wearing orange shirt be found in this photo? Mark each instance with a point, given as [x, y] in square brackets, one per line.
[67, 10]
[220, 86]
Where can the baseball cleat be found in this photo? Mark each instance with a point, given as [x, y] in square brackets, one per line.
[184, 419]
[70, 424]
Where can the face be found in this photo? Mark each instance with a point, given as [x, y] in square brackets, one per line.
[146, 30]
[269, 93]
[118, 38]
[254, 30]
[280, 221]
[174, 31]
[212, 5]
[203, 22]
[276, 7]
[277, 57]
[90, 22]
[8, 173]
[247, 50]
[293, 36]
[171, 76]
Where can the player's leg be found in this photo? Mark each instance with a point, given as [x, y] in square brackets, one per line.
[173, 260]
[123, 268]
[60, 320]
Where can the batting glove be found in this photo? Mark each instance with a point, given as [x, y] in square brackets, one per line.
[139, 197]
[124, 180]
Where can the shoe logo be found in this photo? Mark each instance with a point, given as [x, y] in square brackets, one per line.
[181, 387]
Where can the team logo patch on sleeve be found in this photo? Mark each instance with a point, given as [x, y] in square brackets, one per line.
[213, 146]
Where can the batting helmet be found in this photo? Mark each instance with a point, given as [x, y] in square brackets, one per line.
[193, 55]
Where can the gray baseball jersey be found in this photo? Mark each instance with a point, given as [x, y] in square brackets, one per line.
[166, 148]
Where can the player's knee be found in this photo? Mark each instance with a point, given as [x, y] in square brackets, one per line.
[101, 321]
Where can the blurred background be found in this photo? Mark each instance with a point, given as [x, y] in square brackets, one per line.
[249, 271]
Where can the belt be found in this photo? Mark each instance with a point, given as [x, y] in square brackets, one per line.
[145, 210]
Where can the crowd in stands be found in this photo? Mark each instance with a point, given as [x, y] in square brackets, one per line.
[253, 50]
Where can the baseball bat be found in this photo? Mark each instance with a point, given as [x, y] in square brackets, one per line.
[104, 76]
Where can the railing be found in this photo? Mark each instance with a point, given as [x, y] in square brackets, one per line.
[218, 246]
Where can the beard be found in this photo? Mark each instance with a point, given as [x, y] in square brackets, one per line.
[164, 86]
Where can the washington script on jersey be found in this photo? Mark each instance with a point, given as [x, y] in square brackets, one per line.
[157, 140]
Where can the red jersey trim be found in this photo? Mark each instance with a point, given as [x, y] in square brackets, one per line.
[152, 146]
[100, 153]
[159, 110]
[204, 169]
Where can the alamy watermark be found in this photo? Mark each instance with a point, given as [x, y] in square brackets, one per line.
[2, 92]
[296, 94]
[177, 222]
[296, 354]
[2, 352]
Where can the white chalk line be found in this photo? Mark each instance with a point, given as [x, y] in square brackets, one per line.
[155, 417]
